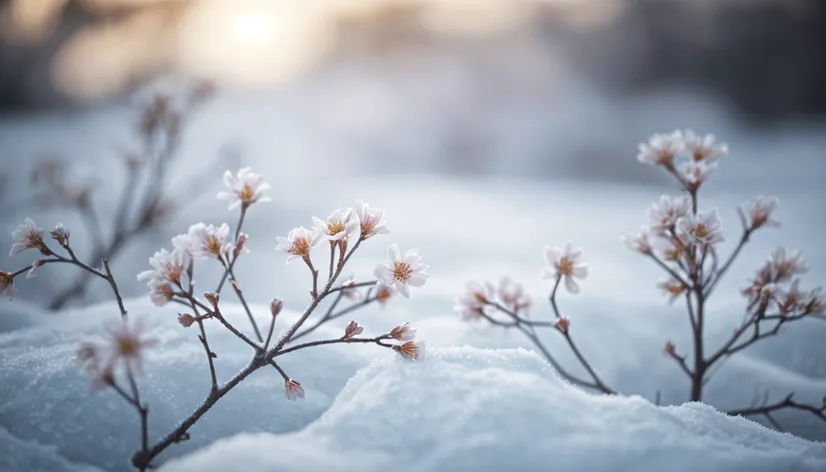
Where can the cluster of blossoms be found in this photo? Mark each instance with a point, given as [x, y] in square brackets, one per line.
[30, 236]
[691, 157]
[776, 285]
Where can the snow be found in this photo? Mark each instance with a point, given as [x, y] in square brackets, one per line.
[471, 409]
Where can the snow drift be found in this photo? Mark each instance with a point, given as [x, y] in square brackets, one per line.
[471, 409]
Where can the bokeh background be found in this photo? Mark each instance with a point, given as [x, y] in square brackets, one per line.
[485, 128]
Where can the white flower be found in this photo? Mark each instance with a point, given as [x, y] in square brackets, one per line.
[60, 234]
[474, 303]
[663, 215]
[351, 293]
[7, 284]
[411, 350]
[703, 229]
[784, 266]
[403, 271]
[371, 220]
[564, 264]
[293, 390]
[760, 212]
[166, 266]
[790, 299]
[208, 241]
[383, 294]
[339, 225]
[814, 302]
[704, 148]
[28, 236]
[246, 188]
[513, 294]
[673, 288]
[641, 242]
[694, 173]
[160, 292]
[661, 149]
[31, 273]
[298, 243]
[403, 332]
[124, 347]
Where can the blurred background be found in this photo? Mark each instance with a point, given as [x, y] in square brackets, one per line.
[485, 129]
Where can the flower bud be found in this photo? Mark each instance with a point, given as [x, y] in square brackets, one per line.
[275, 306]
[670, 348]
[562, 324]
[186, 320]
[212, 298]
[352, 329]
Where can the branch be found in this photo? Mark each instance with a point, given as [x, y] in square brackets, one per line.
[787, 403]
[743, 240]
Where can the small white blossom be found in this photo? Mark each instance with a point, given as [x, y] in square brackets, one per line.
[383, 294]
[513, 294]
[160, 292]
[293, 390]
[661, 149]
[208, 241]
[641, 242]
[60, 234]
[704, 148]
[28, 236]
[694, 173]
[673, 288]
[246, 188]
[124, 348]
[298, 243]
[403, 332]
[564, 264]
[474, 303]
[31, 272]
[403, 271]
[411, 350]
[663, 215]
[339, 225]
[759, 213]
[784, 266]
[166, 266]
[702, 229]
[7, 284]
[351, 293]
[789, 299]
[814, 302]
[371, 220]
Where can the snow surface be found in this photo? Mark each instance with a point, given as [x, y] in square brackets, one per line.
[490, 410]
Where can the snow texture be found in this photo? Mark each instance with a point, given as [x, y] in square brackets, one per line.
[490, 410]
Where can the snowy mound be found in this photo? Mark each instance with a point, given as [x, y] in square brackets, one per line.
[492, 410]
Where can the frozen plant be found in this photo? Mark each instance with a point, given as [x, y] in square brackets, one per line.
[145, 197]
[117, 363]
[684, 242]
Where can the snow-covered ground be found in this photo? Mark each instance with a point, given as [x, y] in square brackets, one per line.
[317, 157]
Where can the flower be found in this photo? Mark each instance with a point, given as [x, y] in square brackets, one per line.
[403, 332]
[60, 234]
[784, 266]
[28, 236]
[240, 245]
[384, 293]
[166, 266]
[339, 225]
[410, 350]
[814, 302]
[704, 148]
[371, 220]
[760, 212]
[293, 390]
[298, 243]
[213, 298]
[670, 349]
[789, 300]
[694, 173]
[474, 303]
[352, 329]
[124, 347]
[7, 284]
[246, 188]
[562, 324]
[351, 293]
[663, 215]
[160, 292]
[641, 242]
[702, 229]
[672, 287]
[661, 149]
[186, 320]
[30, 274]
[564, 264]
[208, 241]
[513, 294]
[403, 271]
